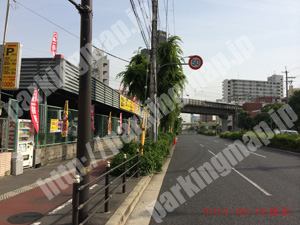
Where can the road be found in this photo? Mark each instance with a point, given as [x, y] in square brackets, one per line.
[259, 183]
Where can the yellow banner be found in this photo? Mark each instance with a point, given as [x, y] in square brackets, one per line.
[65, 121]
[129, 105]
[11, 66]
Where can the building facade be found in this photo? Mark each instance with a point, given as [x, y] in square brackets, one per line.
[237, 90]
[100, 67]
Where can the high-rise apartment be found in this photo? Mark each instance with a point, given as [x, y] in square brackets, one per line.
[248, 90]
[100, 66]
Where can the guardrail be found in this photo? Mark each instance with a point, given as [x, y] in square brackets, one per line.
[108, 194]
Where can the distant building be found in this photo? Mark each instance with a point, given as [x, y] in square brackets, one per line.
[161, 37]
[195, 118]
[248, 90]
[292, 90]
[100, 66]
[268, 100]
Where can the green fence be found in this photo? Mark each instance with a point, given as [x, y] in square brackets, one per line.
[48, 113]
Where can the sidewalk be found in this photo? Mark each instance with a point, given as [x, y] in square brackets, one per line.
[22, 201]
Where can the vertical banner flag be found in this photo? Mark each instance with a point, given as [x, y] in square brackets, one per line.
[121, 129]
[109, 124]
[54, 44]
[129, 126]
[136, 126]
[34, 110]
[93, 117]
[65, 124]
[120, 86]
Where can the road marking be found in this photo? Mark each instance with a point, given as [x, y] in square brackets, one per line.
[216, 141]
[258, 154]
[252, 182]
[213, 153]
[60, 207]
[201, 145]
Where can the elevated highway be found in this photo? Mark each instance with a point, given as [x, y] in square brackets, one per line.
[223, 110]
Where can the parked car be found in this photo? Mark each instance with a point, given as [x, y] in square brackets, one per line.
[289, 132]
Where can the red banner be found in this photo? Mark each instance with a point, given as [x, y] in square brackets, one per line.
[93, 117]
[121, 129]
[34, 110]
[54, 44]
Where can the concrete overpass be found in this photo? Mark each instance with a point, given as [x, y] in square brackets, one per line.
[223, 110]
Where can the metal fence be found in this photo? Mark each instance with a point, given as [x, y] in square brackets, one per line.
[133, 162]
[46, 137]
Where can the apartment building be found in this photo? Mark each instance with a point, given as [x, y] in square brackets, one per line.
[237, 90]
[100, 66]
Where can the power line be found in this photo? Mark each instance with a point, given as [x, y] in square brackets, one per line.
[139, 23]
[144, 14]
[67, 31]
[167, 10]
[174, 17]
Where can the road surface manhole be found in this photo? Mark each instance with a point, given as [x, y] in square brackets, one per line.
[24, 217]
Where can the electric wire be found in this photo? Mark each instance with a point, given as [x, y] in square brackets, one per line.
[67, 31]
[144, 14]
[139, 23]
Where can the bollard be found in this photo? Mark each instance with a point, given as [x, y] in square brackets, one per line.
[106, 206]
[138, 163]
[75, 200]
[124, 176]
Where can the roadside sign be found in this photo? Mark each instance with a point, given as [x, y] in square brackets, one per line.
[11, 66]
[195, 62]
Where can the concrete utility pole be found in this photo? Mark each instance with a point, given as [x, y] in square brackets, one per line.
[84, 98]
[153, 77]
[287, 83]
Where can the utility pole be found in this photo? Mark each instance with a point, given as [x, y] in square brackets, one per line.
[84, 99]
[2, 50]
[153, 77]
[287, 83]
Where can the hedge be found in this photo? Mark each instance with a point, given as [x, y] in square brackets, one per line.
[153, 158]
[290, 142]
[207, 132]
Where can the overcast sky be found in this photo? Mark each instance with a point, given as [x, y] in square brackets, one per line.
[265, 33]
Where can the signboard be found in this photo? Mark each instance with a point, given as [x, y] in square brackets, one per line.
[54, 44]
[93, 117]
[195, 62]
[109, 124]
[55, 126]
[11, 66]
[129, 105]
[34, 109]
[65, 123]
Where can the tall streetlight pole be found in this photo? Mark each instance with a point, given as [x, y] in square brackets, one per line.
[84, 98]
[153, 77]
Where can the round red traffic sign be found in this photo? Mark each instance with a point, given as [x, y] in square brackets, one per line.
[195, 62]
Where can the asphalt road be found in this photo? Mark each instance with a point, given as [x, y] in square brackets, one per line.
[249, 194]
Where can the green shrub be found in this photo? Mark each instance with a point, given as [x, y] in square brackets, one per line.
[153, 158]
[207, 132]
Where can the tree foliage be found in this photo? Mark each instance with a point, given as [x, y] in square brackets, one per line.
[294, 102]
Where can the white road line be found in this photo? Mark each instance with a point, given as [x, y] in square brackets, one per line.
[60, 207]
[212, 153]
[252, 182]
[257, 154]
[216, 141]
[201, 145]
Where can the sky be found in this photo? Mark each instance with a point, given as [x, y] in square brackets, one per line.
[237, 39]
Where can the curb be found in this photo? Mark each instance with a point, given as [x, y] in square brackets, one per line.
[124, 211]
